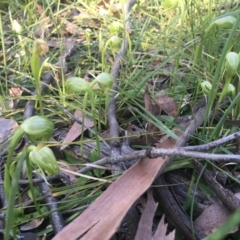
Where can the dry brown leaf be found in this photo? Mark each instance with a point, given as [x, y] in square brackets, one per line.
[162, 230]
[104, 7]
[150, 103]
[15, 92]
[71, 27]
[9, 103]
[7, 129]
[145, 225]
[136, 134]
[167, 141]
[102, 219]
[213, 217]
[76, 129]
[167, 104]
[34, 223]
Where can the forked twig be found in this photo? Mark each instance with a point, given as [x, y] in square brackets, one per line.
[191, 151]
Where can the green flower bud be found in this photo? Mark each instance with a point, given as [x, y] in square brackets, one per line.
[38, 128]
[44, 159]
[88, 33]
[114, 27]
[232, 63]
[231, 90]
[206, 87]
[225, 22]
[115, 42]
[77, 84]
[170, 4]
[105, 80]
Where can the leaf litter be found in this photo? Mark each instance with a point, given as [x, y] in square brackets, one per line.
[121, 195]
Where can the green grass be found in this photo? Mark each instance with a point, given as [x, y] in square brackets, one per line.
[164, 43]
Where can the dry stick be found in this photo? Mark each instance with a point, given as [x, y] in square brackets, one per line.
[112, 119]
[48, 178]
[211, 145]
[175, 213]
[188, 133]
[18, 85]
[225, 196]
[52, 204]
[192, 154]
[182, 151]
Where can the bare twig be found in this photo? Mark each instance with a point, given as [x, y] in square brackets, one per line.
[189, 151]
[113, 124]
[17, 85]
[56, 218]
[175, 214]
[184, 151]
[162, 152]
[48, 178]
[211, 145]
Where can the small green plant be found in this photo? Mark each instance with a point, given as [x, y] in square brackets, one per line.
[231, 65]
[38, 130]
[170, 4]
[79, 85]
[105, 82]
[114, 42]
[88, 38]
[224, 69]
[39, 47]
[222, 23]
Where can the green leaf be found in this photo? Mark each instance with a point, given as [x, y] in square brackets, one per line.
[93, 158]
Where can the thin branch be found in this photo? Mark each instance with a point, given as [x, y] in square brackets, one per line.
[48, 178]
[112, 119]
[212, 145]
[56, 218]
[183, 151]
